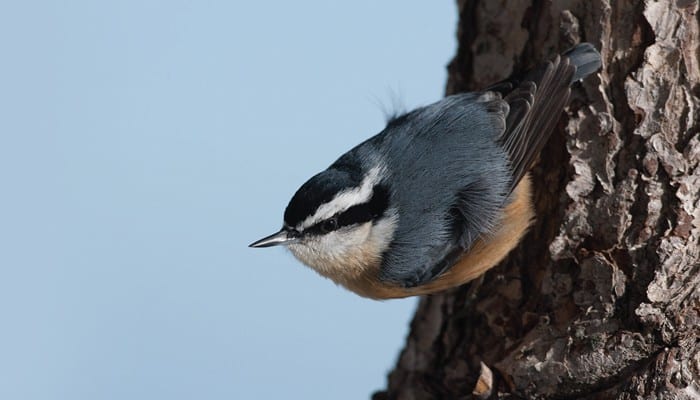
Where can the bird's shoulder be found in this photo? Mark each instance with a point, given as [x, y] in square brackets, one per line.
[470, 113]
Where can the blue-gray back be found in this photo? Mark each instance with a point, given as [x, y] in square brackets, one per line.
[449, 180]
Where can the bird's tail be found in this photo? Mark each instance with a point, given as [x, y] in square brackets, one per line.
[586, 59]
[536, 102]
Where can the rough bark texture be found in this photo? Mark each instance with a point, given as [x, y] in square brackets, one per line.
[602, 299]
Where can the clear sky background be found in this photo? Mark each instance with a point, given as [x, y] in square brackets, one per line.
[144, 145]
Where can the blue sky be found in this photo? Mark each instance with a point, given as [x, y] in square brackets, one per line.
[144, 145]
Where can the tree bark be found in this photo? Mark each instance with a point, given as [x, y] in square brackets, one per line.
[602, 298]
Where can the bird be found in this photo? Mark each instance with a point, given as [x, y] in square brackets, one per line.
[439, 196]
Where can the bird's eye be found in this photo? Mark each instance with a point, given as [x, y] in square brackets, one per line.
[329, 225]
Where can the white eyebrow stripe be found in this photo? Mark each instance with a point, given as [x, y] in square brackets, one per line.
[344, 199]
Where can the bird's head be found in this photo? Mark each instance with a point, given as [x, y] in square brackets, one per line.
[339, 223]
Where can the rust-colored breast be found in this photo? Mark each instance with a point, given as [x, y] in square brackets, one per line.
[486, 253]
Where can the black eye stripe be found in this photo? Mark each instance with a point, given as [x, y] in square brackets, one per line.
[355, 215]
[358, 213]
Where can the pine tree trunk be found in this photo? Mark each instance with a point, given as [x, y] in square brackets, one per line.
[602, 298]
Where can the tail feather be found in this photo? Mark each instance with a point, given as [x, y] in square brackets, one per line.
[536, 102]
[586, 59]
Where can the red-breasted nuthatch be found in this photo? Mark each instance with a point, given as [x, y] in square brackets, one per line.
[440, 195]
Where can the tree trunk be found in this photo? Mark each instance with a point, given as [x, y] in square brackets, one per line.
[602, 298]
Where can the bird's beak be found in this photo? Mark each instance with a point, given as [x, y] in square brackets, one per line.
[282, 237]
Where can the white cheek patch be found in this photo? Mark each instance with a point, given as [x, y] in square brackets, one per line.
[348, 251]
[343, 239]
[329, 251]
[383, 232]
[344, 200]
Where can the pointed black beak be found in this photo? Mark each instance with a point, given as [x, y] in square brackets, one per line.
[284, 236]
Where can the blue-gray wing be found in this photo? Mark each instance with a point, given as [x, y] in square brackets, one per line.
[450, 179]
[496, 135]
